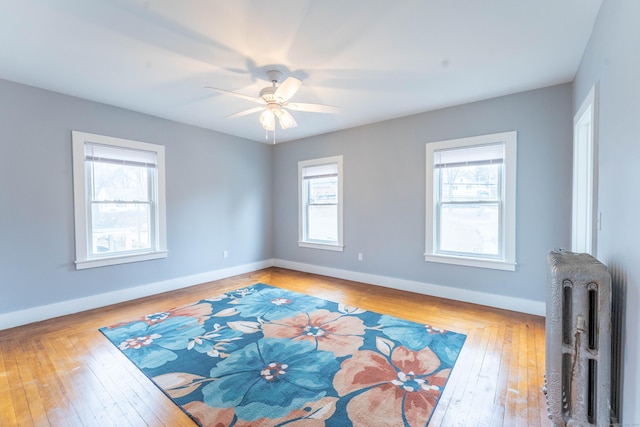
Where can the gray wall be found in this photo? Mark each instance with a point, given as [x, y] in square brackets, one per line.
[384, 191]
[612, 60]
[226, 193]
[218, 198]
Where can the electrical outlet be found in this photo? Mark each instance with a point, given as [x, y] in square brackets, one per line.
[225, 254]
[360, 257]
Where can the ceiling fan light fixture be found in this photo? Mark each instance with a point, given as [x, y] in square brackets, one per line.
[274, 102]
[268, 120]
[285, 118]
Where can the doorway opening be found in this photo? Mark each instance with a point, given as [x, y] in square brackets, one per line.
[585, 217]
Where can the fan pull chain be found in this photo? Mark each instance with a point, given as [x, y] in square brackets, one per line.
[266, 135]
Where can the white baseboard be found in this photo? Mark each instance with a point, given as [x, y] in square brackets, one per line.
[36, 314]
[482, 298]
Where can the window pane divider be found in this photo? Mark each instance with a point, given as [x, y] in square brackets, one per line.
[330, 175]
[122, 202]
[472, 202]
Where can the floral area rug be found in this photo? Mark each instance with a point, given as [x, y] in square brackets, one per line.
[264, 356]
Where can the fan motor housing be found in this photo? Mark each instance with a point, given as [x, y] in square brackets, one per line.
[268, 94]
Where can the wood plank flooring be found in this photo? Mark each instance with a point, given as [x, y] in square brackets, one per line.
[63, 372]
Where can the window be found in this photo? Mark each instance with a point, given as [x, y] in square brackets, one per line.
[320, 203]
[118, 200]
[471, 189]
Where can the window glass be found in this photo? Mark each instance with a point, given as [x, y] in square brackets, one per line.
[120, 227]
[470, 229]
[469, 200]
[119, 182]
[322, 209]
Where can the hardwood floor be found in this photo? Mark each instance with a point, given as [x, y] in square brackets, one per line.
[63, 372]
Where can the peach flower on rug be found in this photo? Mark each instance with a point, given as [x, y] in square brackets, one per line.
[399, 388]
[330, 331]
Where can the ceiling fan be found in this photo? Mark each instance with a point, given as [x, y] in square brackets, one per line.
[274, 102]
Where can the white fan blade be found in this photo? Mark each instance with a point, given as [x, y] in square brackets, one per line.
[314, 108]
[245, 112]
[287, 89]
[286, 119]
[238, 95]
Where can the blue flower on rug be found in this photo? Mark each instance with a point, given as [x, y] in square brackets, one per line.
[150, 346]
[274, 303]
[271, 378]
[416, 336]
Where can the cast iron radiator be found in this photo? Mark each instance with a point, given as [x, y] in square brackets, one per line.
[578, 341]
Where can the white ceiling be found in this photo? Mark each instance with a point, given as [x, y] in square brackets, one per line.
[376, 59]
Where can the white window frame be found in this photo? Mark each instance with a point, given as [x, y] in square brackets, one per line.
[507, 261]
[302, 216]
[82, 208]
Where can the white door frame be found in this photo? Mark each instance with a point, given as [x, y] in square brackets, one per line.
[585, 218]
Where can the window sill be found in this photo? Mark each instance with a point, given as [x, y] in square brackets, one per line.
[471, 262]
[122, 259]
[323, 246]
